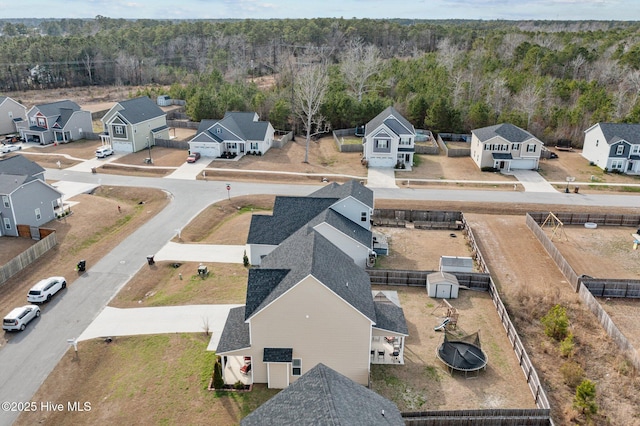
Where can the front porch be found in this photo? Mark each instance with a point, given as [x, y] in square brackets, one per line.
[237, 368]
[387, 350]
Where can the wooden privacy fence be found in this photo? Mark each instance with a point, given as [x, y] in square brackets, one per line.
[346, 147]
[491, 417]
[27, 257]
[396, 277]
[417, 215]
[171, 143]
[607, 287]
[597, 218]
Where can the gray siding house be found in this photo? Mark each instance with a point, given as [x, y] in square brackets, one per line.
[613, 146]
[133, 125]
[389, 140]
[60, 122]
[25, 197]
[505, 147]
[11, 112]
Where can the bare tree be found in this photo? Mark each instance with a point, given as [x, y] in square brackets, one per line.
[448, 53]
[528, 99]
[310, 86]
[498, 95]
[577, 63]
[359, 64]
[88, 63]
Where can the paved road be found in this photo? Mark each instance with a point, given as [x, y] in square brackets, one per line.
[30, 356]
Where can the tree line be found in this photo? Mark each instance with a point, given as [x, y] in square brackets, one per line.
[554, 78]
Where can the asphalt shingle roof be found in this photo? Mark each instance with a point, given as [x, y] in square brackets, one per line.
[505, 130]
[502, 156]
[235, 334]
[321, 397]
[235, 126]
[9, 183]
[139, 109]
[392, 119]
[351, 188]
[344, 225]
[615, 132]
[19, 165]
[390, 317]
[53, 108]
[261, 283]
[306, 252]
[277, 355]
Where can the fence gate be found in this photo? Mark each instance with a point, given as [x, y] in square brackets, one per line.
[35, 232]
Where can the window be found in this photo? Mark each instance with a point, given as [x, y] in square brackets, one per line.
[42, 122]
[620, 149]
[5, 201]
[382, 143]
[597, 142]
[515, 147]
[616, 164]
[38, 215]
[363, 216]
[531, 147]
[405, 141]
[296, 367]
[118, 130]
[7, 223]
[218, 130]
[635, 149]
[487, 147]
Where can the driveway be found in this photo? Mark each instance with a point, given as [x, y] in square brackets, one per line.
[189, 170]
[112, 322]
[381, 178]
[532, 181]
[200, 253]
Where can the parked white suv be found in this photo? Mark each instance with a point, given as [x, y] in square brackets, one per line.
[104, 151]
[20, 317]
[45, 289]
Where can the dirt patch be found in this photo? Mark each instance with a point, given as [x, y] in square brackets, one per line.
[10, 247]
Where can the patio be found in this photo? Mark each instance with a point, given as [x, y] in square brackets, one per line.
[233, 370]
[385, 348]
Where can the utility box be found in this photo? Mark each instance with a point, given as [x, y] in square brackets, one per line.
[203, 271]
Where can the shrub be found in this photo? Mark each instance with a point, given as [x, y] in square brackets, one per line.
[585, 398]
[489, 169]
[245, 259]
[556, 323]
[238, 385]
[566, 346]
[572, 374]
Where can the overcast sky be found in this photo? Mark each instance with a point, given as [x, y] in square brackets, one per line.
[374, 9]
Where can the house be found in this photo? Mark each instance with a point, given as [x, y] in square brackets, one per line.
[133, 125]
[613, 146]
[26, 199]
[11, 112]
[324, 396]
[309, 303]
[59, 122]
[505, 147]
[237, 134]
[342, 213]
[389, 140]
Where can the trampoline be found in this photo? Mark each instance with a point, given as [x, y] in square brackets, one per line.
[462, 353]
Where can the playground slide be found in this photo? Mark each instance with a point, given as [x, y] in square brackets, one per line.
[442, 325]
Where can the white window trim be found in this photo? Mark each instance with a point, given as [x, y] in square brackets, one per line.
[5, 201]
[620, 150]
[38, 214]
[7, 223]
[293, 365]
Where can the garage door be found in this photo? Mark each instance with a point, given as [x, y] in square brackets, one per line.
[122, 146]
[205, 149]
[377, 161]
[443, 291]
[526, 164]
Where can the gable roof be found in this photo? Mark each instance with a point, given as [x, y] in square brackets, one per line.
[139, 109]
[235, 334]
[390, 317]
[54, 108]
[351, 188]
[323, 396]
[289, 215]
[235, 126]
[393, 120]
[506, 131]
[305, 253]
[9, 183]
[616, 132]
[19, 165]
[344, 225]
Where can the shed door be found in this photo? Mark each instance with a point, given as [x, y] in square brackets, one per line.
[443, 291]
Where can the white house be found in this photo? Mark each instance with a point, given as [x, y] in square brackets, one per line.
[505, 147]
[389, 140]
[613, 146]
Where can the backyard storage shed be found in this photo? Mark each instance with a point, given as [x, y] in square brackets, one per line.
[456, 264]
[442, 285]
[164, 100]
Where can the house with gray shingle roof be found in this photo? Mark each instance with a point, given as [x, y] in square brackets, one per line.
[56, 122]
[25, 197]
[322, 396]
[235, 135]
[342, 213]
[613, 146]
[11, 112]
[309, 303]
[505, 147]
[389, 140]
[134, 125]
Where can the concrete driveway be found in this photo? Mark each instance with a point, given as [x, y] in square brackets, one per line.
[112, 322]
[200, 253]
[189, 171]
[532, 181]
[381, 178]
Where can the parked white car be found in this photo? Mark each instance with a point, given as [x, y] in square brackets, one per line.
[10, 148]
[104, 151]
[44, 290]
[20, 317]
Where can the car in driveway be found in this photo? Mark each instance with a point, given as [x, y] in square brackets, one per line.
[44, 289]
[104, 151]
[18, 318]
[193, 157]
[10, 148]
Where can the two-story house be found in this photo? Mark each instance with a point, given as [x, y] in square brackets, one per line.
[389, 140]
[237, 134]
[342, 213]
[613, 146]
[134, 125]
[25, 197]
[11, 112]
[505, 147]
[59, 122]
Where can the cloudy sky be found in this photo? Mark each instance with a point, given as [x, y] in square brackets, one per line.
[374, 9]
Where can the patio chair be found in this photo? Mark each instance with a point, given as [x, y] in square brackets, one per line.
[380, 355]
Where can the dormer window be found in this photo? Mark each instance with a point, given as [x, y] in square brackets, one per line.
[620, 149]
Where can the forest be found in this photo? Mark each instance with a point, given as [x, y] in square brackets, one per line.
[553, 78]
